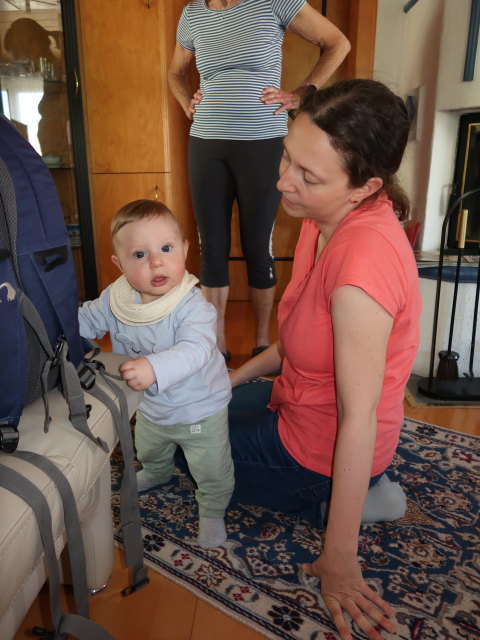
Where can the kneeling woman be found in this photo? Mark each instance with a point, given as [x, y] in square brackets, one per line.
[349, 331]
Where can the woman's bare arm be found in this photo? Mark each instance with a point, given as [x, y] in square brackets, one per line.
[361, 332]
[178, 79]
[260, 365]
[310, 25]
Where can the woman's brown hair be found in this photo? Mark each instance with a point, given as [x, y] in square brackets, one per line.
[368, 125]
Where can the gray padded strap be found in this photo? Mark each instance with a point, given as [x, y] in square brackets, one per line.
[27, 491]
[45, 373]
[31, 315]
[75, 625]
[72, 525]
[82, 628]
[73, 393]
[129, 508]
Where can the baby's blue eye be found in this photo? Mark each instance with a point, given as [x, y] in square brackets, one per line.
[166, 248]
[139, 254]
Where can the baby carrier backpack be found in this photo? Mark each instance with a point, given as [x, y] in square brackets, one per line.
[41, 349]
[38, 290]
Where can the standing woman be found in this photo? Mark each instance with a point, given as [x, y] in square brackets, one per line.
[349, 332]
[239, 120]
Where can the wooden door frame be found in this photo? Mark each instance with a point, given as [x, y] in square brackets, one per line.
[362, 26]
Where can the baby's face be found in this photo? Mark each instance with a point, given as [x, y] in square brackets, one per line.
[151, 254]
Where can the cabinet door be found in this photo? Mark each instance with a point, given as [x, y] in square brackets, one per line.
[125, 84]
[112, 191]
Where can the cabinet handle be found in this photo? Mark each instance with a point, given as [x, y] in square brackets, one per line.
[156, 192]
[148, 4]
[77, 84]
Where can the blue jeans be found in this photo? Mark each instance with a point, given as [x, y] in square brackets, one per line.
[266, 474]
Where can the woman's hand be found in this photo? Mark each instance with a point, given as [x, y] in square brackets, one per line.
[260, 365]
[287, 99]
[197, 98]
[343, 588]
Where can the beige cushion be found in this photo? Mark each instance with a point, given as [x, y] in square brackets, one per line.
[82, 461]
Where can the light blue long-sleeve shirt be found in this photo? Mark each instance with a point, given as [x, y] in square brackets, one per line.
[192, 378]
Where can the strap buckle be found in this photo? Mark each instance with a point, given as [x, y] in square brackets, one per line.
[135, 587]
[73, 416]
[44, 634]
[57, 352]
[87, 377]
[8, 438]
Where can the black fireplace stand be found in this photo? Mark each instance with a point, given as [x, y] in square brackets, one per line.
[466, 387]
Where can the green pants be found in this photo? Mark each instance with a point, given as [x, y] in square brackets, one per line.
[207, 450]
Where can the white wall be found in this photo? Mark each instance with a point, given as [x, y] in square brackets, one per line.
[423, 51]
[453, 93]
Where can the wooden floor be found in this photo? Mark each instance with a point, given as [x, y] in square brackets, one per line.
[166, 611]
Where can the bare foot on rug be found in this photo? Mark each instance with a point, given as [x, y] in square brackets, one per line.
[211, 532]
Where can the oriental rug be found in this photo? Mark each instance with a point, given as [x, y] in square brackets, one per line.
[426, 565]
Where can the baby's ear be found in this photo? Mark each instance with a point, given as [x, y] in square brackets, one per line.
[116, 262]
[185, 247]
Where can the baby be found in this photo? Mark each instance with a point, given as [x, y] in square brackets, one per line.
[156, 315]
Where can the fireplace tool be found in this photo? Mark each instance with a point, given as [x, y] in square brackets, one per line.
[447, 384]
[447, 367]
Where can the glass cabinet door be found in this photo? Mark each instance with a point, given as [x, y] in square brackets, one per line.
[39, 83]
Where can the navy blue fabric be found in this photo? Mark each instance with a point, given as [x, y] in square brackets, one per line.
[45, 268]
[266, 475]
[13, 349]
[467, 273]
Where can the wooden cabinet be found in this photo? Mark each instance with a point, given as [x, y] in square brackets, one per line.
[136, 133]
[123, 52]
[110, 192]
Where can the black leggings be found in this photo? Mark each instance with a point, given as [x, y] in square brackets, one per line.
[221, 171]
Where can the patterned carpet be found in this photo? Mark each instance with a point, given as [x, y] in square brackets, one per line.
[426, 565]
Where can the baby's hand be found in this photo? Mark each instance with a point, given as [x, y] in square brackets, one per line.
[138, 374]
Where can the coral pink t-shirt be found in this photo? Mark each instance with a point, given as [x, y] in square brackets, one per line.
[369, 249]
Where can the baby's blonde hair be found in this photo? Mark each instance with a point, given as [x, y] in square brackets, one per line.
[141, 210]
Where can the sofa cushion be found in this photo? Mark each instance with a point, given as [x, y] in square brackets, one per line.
[80, 459]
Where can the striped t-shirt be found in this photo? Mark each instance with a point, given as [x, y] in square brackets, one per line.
[238, 53]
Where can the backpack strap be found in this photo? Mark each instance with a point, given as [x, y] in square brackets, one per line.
[71, 387]
[72, 525]
[129, 508]
[73, 393]
[31, 315]
[75, 625]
